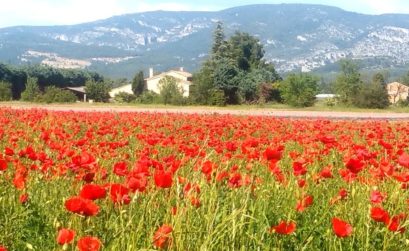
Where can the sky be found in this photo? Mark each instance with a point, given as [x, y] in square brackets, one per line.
[57, 12]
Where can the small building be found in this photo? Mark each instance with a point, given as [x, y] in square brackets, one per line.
[79, 92]
[183, 78]
[325, 96]
[397, 91]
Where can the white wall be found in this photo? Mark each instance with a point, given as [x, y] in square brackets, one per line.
[125, 88]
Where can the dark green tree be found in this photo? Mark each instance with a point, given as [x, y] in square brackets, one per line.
[98, 91]
[348, 83]
[299, 90]
[53, 94]
[5, 91]
[225, 78]
[32, 91]
[218, 38]
[138, 83]
[374, 94]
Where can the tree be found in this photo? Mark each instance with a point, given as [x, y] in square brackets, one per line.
[374, 94]
[226, 79]
[32, 91]
[138, 83]
[299, 90]
[5, 91]
[170, 91]
[218, 38]
[98, 91]
[203, 86]
[348, 83]
[245, 50]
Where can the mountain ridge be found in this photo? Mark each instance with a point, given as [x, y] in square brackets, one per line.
[312, 37]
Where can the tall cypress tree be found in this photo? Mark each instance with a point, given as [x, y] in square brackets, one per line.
[138, 83]
[218, 38]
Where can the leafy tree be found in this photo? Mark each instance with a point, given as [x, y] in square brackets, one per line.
[16, 77]
[374, 94]
[245, 50]
[5, 91]
[299, 90]
[226, 79]
[32, 91]
[138, 83]
[348, 83]
[203, 86]
[170, 91]
[53, 94]
[98, 91]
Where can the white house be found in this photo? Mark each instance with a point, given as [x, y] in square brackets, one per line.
[397, 91]
[183, 78]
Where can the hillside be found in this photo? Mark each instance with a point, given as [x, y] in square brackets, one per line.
[312, 37]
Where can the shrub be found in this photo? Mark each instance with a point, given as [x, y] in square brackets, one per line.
[149, 97]
[299, 90]
[53, 94]
[5, 91]
[217, 97]
[124, 97]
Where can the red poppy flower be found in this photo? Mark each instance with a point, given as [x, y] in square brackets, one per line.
[299, 169]
[162, 236]
[81, 206]
[119, 194]
[377, 197]
[3, 248]
[23, 198]
[3, 164]
[65, 236]
[403, 160]
[394, 223]
[341, 228]
[137, 182]
[304, 203]
[163, 180]
[89, 243]
[92, 192]
[355, 165]
[378, 214]
[272, 154]
[121, 169]
[284, 228]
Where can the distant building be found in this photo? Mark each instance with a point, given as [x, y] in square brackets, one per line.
[79, 92]
[397, 91]
[125, 88]
[183, 78]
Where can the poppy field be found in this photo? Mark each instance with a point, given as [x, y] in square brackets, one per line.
[150, 181]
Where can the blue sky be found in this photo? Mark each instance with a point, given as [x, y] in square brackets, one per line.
[55, 12]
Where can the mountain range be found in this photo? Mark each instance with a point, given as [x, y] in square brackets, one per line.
[296, 37]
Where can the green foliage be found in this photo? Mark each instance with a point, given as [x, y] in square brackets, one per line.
[53, 94]
[138, 83]
[170, 91]
[269, 93]
[98, 91]
[149, 97]
[348, 83]
[124, 97]
[32, 91]
[217, 98]
[299, 90]
[236, 67]
[226, 78]
[16, 77]
[203, 85]
[374, 94]
[5, 91]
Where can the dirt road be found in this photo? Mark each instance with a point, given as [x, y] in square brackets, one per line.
[215, 110]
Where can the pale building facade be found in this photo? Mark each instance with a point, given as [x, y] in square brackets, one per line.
[397, 91]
